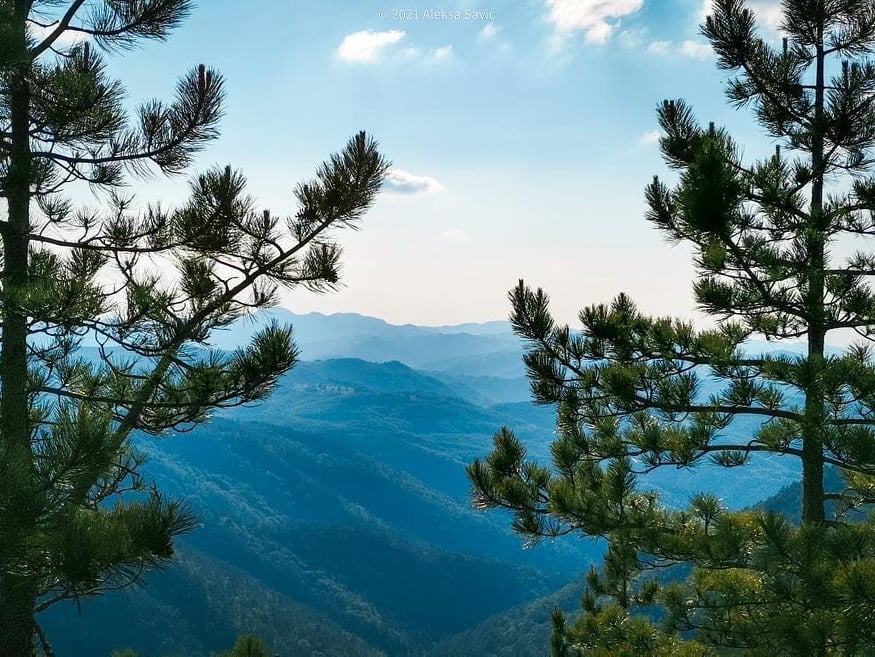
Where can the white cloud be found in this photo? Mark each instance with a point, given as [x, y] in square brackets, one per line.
[367, 45]
[695, 49]
[442, 53]
[660, 47]
[403, 182]
[595, 18]
[489, 31]
[67, 39]
[688, 48]
[631, 39]
[651, 137]
[705, 9]
[492, 34]
[768, 12]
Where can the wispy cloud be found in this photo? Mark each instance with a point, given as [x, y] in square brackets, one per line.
[595, 18]
[706, 8]
[493, 35]
[368, 45]
[489, 31]
[442, 53]
[651, 137]
[768, 12]
[689, 48]
[660, 47]
[695, 49]
[403, 182]
[66, 39]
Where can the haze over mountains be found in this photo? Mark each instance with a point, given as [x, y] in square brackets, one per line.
[488, 349]
[336, 518]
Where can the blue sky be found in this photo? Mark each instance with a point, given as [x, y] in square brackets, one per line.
[521, 132]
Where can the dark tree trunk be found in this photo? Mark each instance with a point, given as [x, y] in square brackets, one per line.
[813, 426]
[17, 585]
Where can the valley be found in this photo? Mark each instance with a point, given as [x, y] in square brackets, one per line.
[335, 516]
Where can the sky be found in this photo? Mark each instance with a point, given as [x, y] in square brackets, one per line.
[522, 134]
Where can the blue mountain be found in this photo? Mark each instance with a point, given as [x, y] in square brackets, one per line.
[341, 503]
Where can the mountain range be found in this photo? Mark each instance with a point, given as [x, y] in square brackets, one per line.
[336, 517]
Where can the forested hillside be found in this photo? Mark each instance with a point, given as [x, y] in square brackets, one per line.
[330, 500]
[342, 503]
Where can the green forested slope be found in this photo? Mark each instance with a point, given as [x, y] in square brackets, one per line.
[343, 503]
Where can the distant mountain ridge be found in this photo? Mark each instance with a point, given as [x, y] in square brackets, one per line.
[488, 349]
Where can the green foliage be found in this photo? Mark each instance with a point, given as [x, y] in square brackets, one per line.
[248, 646]
[149, 284]
[634, 393]
[390, 512]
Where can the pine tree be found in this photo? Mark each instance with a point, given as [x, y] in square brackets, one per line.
[635, 393]
[248, 645]
[148, 284]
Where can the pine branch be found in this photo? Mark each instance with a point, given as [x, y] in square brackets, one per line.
[62, 26]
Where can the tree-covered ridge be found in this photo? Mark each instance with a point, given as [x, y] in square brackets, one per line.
[147, 283]
[206, 589]
[333, 496]
[246, 645]
[198, 607]
[346, 459]
[635, 393]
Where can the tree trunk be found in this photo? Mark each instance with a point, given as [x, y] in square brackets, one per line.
[814, 420]
[17, 585]
[17, 596]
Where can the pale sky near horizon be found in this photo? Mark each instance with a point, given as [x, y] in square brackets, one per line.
[522, 134]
